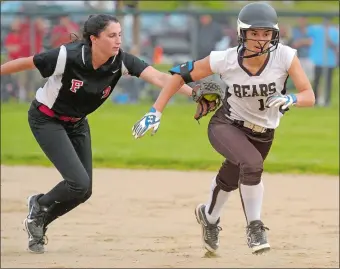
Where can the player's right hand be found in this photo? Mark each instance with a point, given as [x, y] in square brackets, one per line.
[283, 101]
[150, 120]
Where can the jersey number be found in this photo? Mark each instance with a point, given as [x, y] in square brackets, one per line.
[262, 107]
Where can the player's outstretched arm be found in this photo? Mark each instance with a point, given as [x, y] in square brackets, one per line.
[17, 65]
[159, 79]
[184, 73]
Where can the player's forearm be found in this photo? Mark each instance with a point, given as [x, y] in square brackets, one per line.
[174, 84]
[305, 98]
[185, 89]
[17, 65]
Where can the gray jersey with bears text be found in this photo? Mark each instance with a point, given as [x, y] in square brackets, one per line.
[246, 94]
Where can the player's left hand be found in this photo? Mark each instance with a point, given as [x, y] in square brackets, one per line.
[150, 120]
[281, 100]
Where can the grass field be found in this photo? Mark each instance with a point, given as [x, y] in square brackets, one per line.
[307, 140]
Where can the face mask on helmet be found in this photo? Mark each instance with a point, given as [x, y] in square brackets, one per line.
[266, 46]
[256, 16]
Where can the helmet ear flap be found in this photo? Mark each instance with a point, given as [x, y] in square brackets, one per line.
[275, 38]
[242, 37]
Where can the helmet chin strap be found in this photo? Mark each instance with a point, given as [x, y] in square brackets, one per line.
[242, 45]
[256, 54]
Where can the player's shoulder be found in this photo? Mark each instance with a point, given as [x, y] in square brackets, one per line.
[75, 45]
[226, 52]
[232, 50]
[281, 46]
[77, 52]
[125, 55]
[283, 56]
[221, 61]
[283, 52]
[232, 53]
[122, 54]
[227, 55]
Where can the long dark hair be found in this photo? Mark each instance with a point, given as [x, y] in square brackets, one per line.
[95, 24]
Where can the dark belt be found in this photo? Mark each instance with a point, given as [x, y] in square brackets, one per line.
[49, 112]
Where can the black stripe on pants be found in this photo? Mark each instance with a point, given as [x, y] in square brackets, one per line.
[244, 151]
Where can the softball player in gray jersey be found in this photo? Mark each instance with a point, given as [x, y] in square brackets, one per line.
[242, 129]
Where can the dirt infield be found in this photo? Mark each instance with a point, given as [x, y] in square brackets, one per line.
[145, 219]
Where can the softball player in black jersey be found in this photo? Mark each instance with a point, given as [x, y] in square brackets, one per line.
[81, 76]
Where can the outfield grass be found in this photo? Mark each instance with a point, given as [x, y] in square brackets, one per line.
[307, 140]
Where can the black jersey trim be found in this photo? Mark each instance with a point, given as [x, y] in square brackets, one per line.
[259, 72]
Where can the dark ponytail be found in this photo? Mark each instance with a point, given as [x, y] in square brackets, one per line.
[95, 24]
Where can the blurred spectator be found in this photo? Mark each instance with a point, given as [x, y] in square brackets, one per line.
[223, 44]
[302, 42]
[324, 60]
[61, 33]
[38, 28]
[21, 43]
[8, 89]
[285, 34]
[228, 38]
[13, 47]
[337, 51]
[13, 41]
[209, 33]
[30, 44]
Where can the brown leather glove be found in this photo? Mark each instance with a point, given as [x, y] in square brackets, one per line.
[203, 91]
[204, 107]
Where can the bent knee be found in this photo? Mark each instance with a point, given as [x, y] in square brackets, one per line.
[84, 187]
[251, 172]
[227, 184]
[87, 196]
[81, 187]
[228, 176]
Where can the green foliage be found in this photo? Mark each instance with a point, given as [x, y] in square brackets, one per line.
[159, 5]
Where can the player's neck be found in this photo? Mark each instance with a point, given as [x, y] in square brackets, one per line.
[98, 58]
[255, 61]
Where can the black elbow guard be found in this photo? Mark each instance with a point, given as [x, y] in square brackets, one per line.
[184, 71]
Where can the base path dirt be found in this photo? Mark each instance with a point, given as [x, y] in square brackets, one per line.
[138, 218]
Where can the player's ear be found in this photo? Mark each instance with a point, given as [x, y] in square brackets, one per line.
[93, 38]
